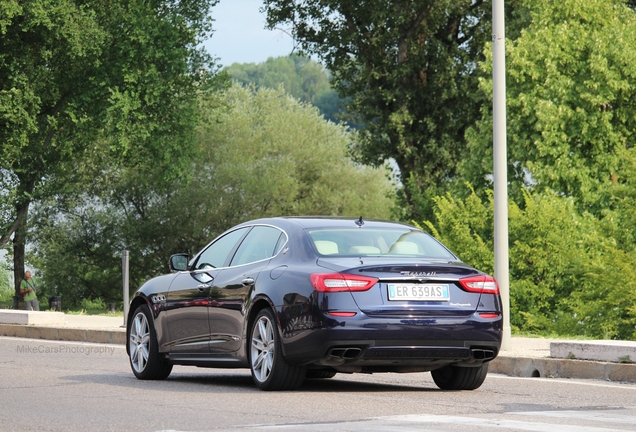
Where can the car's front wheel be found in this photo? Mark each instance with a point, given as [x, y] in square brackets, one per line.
[143, 348]
[270, 370]
[460, 378]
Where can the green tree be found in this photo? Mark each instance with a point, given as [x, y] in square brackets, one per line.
[260, 153]
[408, 72]
[73, 73]
[300, 76]
[299, 165]
[571, 87]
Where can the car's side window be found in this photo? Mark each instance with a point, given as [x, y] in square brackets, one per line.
[259, 244]
[217, 253]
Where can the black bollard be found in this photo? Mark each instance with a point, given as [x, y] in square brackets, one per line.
[55, 303]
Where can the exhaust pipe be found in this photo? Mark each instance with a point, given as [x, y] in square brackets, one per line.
[482, 354]
[345, 353]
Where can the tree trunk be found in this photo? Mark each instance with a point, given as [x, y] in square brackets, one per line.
[19, 242]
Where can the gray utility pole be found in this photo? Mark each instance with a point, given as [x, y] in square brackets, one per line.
[500, 163]
[124, 271]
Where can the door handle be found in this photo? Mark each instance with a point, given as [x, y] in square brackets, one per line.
[203, 287]
[248, 281]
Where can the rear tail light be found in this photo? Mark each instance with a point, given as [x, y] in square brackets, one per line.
[342, 314]
[480, 284]
[337, 282]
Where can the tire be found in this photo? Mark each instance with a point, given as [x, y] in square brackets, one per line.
[270, 370]
[320, 374]
[460, 378]
[143, 348]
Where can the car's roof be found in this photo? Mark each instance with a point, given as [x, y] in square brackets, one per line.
[308, 222]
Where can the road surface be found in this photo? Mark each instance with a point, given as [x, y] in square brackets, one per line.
[47, 385]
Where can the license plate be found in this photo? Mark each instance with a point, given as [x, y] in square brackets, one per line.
[428, 292]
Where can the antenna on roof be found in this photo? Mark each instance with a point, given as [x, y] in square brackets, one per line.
[360, 222]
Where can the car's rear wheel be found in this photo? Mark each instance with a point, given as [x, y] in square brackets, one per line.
[143, 348]
[460, 378]
[270, 370]
[320, 374]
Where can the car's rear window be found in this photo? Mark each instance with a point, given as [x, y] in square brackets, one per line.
[376, 242]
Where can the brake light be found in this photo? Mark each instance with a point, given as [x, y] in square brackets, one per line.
[337, 282]
[480, 284]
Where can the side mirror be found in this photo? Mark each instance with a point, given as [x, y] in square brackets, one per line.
[178, 262]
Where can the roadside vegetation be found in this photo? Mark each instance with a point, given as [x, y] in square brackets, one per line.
[259, 153]
[128, 167]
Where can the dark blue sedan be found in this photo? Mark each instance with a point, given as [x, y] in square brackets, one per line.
[297, 298]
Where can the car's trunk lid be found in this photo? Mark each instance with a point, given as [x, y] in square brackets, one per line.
[409, 287]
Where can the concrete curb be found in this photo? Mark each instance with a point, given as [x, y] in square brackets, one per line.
[563, 368]
[64, 334]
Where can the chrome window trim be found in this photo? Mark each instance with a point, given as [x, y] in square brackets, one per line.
[248, 233]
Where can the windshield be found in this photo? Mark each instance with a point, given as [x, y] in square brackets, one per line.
[377, 241]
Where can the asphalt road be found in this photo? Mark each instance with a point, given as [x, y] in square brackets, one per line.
[70, 386]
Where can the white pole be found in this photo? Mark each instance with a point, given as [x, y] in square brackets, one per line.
[500, 164]
[124, 267]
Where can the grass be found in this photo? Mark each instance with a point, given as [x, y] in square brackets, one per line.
[86, 307]
[99, 312]
[551, 336]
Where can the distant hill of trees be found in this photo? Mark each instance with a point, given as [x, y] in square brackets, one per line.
[301, 77]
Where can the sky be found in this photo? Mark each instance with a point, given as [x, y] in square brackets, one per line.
[240, 35]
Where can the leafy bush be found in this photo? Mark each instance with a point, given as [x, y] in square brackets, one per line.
[566, 275]
[6, 287]
[6, 299]
[6, 278]
[465, 226]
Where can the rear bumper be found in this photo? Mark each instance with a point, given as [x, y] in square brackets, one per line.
[363, 344]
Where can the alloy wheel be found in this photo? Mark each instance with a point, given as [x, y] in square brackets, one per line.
[263, 348]
[139, 342]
